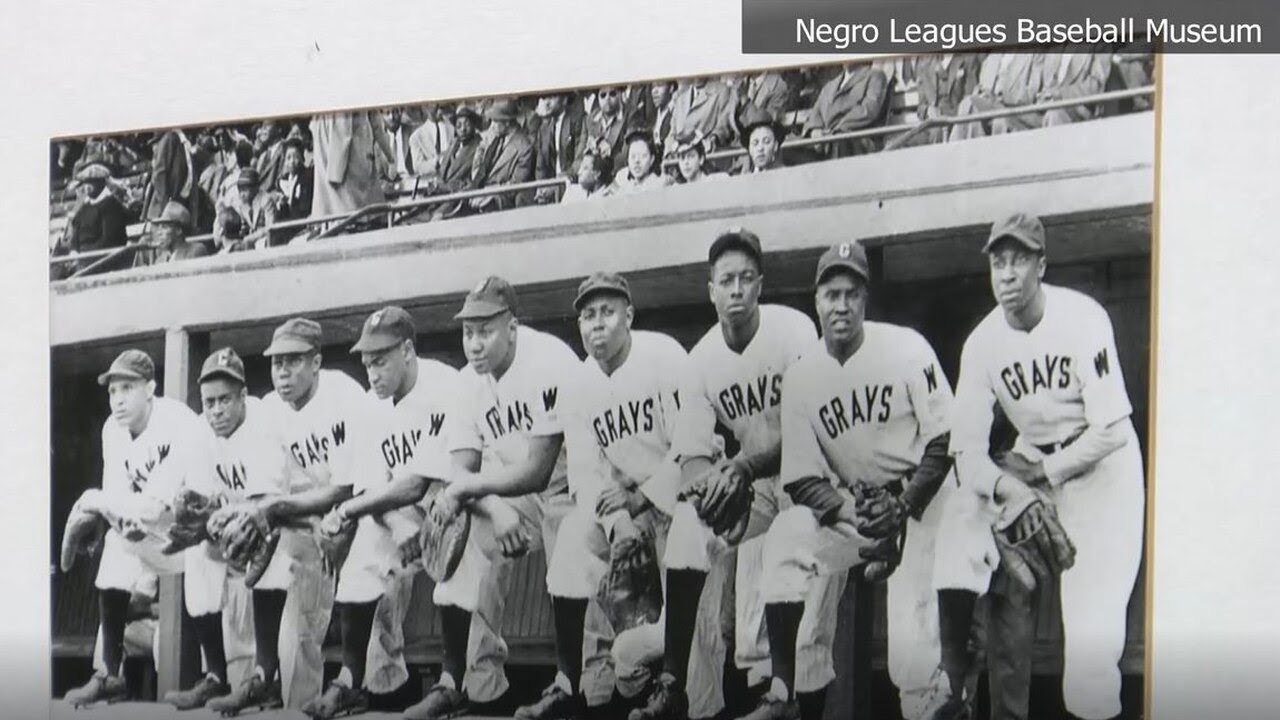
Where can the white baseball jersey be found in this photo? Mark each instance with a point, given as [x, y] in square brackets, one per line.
[498, 416]
[412, 432]
[328, 440]
[619, 427]
[171, 452]
[741, 390]
[252, 460]
[869, 419]
[1051, 382]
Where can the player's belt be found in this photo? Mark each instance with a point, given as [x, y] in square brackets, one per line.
[1052, 448]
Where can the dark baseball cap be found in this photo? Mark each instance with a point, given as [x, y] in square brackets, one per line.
[602, 282]
[223, 363]
[296, 335]
[736, 238]
[133, 364]
[385, 328]
[1023, 227]
[491, 297]
[847, 255]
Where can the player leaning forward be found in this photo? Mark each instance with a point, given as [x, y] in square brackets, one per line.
[864, 452]
[152, 447]
[1047, 355]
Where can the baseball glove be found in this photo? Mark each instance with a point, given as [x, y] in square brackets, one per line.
[727, 513]
[631, 592]
[881, 514]
[83, 534]
[1034, 548]
[334, 536]
[245, 539]
[441, 545]
[191, 512]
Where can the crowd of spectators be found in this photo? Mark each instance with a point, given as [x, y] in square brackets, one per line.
[234, 183]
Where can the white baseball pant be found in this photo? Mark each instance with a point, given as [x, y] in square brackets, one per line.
[305, 621]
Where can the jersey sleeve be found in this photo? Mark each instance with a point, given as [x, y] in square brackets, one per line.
[432, 460]
[561, 368]
[928, 389]
[695, 426]
[464, 422]
[1097, 368]
[190, 461]
[663, 484]
[586, 465]
[357, 462]
[971, 419]
[802, 335]
[801, 452]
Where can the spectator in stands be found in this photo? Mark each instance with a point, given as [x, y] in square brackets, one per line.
[250, 214]
[557, 142]
[1070, 75]
[97, 221]
[607, 127]
[62, 158]
[427, 144]
[293, 191]
[1006, 80]
[767, 91]
[690, 157]
[400, 128]
[168, 241]
[853, 100]
[705, 107]
[589, 183]
[175, 170]
[268, 152]
[642, 170]
[761, 135]
[1135, 68]
[638, 109]
[943, 81]
[662, 94]
[507, 158]
[241, 159]
[459, 158]
[344, 155]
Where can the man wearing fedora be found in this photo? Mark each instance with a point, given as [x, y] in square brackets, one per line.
[168, 239]
[98, 220]
[853, 100]
[761, 136]
[293, 191]
[506, 158]
[243, 218]
[428, 143]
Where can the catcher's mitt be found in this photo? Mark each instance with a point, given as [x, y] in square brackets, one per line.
[245, 538]
[728, 514]
[441, 545]
[881, 514]
[191, 512]
[631, 592]
[83, 534]
[1033, 546]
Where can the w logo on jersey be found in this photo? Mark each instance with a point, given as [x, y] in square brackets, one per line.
[1102, 363]
[931, 377]
[138, 476]
[549, 399]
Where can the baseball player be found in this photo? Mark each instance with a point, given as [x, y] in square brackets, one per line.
[864, 454]
[151, 447]
[623, 475]
[509, 472]
[412, 396]
[1047, 355]
[735, 379]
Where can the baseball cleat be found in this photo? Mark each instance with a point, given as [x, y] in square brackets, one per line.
[771, 708]
[338, 700]
[666, 701]
[100, 688]
[555, 704]
[255, 693]
[199, 695]
[441, 703]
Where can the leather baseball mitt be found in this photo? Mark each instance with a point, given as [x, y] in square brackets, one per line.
[82, 535]
[334, 536]
[882, 557]
[441, 545]
[1034, 548]
[191, 513]
[881, 514]
[245, 538]
[723, 500]
[631, 592]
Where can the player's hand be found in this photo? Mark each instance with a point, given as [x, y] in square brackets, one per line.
[723, 481]
[618, 498]
[508, 531]
[624, 530]
[446, 504]
[333, 523]
[1011, 490]
[846, 522]
[1030, 473]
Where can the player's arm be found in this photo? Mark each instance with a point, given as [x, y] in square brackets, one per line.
[931, 399]
[804, 472]
[316, 501]
[971, 420]
[530, 476]
[695, 428]
[401, 491]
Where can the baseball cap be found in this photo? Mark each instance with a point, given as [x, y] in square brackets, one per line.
[491, 297]
[736, 238]
[296, 335]
[248, 178]
[602, 282]
[223, 363]
[131, 363]
[385, 328]
[848, 255]
[1023, 227]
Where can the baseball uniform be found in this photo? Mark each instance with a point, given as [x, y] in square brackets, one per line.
[867, 420]
[1056, 382]
[743, 392]
[497, 417]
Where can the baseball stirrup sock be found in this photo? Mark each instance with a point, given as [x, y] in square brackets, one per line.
[456, 629]
[782, 620]
[356, 620]
[955, 618]
[113, 611]
[570, 615]
[209, 633]
[684, 590]
[813, 705]
[268, 608]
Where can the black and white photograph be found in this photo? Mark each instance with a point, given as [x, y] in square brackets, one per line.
[815, 392]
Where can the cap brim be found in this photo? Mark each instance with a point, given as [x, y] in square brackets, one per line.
[109, 375]
[732, 242]
[480, 310]
[840, 265]
[220, 372]
[375, 342]
[582, 298]
[288, 346]
[1025, 241]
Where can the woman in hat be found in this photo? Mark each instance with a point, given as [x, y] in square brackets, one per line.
[249, 212]
[642, 162]
[691, 156]
[294, 189]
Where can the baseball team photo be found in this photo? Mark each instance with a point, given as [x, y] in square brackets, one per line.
[809, 393]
